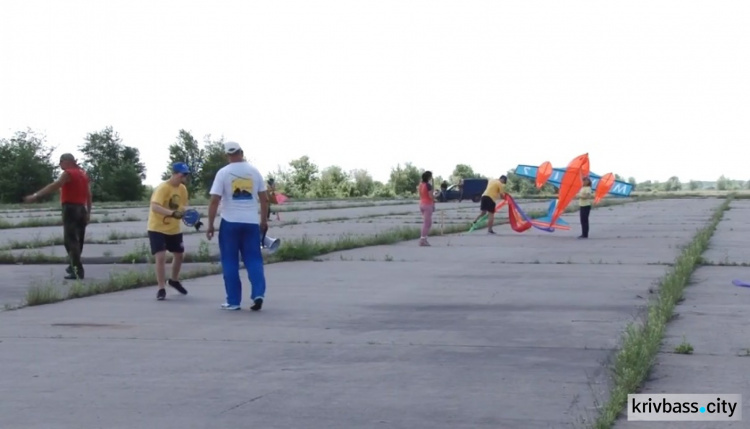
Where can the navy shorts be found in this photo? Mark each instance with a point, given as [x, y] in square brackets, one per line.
[487, 204]
[161, 242]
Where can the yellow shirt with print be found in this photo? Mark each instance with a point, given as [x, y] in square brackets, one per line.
[495, 189]
[585, 196]
[171, 198]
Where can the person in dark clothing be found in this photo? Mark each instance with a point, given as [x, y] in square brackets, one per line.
[271, 197]
[75, 219]
[585, 197]
[75, 198]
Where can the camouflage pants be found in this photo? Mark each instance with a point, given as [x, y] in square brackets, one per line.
[74, 230]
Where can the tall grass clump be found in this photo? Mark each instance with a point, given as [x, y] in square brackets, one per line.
[132, 279]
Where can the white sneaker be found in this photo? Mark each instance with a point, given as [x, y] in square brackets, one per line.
[226, 306]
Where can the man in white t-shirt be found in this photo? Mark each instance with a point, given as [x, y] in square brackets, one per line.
[241, 190]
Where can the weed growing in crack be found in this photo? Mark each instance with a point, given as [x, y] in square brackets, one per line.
[684, 348]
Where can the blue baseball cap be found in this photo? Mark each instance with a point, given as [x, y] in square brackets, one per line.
[180, 167]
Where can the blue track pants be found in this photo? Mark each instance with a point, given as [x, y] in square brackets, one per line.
[235, 239]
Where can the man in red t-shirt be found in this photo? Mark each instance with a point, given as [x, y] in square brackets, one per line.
[75, 197]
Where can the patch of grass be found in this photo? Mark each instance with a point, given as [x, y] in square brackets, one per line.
[47, 242]
[139, 253]
[684, 348]
[131, 279]
[32, 244]
[702, 194]
[42, 222]
[283, 208]
[115, 235]
[306, 248]
[344, 218]
[33, 257]
[641, 342]
[725, 263]
[329, 219]
[204, 252]
[39, 294]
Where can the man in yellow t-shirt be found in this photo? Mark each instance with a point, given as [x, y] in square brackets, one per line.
[495, 191]
[168, 202]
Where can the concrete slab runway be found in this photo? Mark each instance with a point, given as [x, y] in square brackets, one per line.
[444, 340]
[713, 318]
[101, 231]
[372, 220]
[132, 208]
[104, 213]
[360, 221]
[730, 245]
[642, 233]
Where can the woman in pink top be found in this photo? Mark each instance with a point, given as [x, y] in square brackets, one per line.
[426, 206]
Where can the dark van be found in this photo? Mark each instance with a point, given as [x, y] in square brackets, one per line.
[472, 189]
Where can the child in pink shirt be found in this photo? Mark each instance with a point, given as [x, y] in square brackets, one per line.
[426, 206]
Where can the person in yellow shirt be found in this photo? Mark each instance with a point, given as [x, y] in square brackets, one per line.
[585, 196]
[495, 191]
[168, 202]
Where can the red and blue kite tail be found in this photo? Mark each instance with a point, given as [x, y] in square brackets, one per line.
[515, 216]
[527, 219]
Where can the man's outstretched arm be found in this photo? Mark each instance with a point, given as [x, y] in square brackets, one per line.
[52, 187]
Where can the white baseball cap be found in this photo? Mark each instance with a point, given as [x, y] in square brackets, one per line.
[232, 147]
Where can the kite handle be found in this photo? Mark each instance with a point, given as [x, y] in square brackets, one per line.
[191, 217]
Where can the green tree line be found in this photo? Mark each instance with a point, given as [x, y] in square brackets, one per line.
[117, 172]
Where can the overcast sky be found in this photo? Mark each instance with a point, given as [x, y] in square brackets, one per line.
[369, 84]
